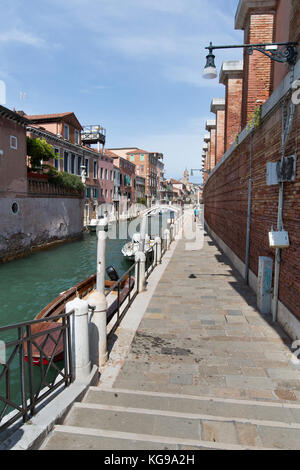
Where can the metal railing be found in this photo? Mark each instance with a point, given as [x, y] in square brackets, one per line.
[23, 385]
[124, 298]
[163, 247]
[151, 260]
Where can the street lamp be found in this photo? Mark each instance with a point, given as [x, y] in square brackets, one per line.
[283, 52]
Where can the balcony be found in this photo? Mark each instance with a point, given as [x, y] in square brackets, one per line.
[93, 135]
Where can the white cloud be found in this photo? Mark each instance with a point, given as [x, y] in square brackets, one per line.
[23, 37]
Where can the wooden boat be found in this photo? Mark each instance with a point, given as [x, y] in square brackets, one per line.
[51, 342]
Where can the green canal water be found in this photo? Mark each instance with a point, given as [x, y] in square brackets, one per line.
[27, 285]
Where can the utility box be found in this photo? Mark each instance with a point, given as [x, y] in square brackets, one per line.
[279, 239]
[272, 175]
[264, 284]
[282, 171]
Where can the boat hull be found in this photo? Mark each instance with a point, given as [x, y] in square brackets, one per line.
[51, 342]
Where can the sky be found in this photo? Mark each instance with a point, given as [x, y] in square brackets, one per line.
[132, 66]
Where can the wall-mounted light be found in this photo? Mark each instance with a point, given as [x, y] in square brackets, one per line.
[1, 153]
[283, 52]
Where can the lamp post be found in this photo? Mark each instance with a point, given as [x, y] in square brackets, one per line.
[283, 52]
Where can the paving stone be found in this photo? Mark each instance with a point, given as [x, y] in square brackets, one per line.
[182, 379]
[218, 431]
[248, 435]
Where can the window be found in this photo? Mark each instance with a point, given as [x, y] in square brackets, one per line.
[88, 192]
[87, 167]
[73, 162]
[101, 173]
[76, 137]
[13, 142]
[106, 174]
[142, 158]
[111, 175]
[142, 168]
[95, 193]
[66, 132]
[79, 166]
[106, 193]
[121, 178]
[56, 160]
[111, 193]
[95, 169]
[66, 161]
[132, 158]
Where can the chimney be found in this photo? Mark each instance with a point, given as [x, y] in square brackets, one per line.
[218, 108]
[211, 128]
[231, 76]
[257, 19]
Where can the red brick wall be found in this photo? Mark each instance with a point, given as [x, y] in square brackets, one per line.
[213, 148]
[295, 21]
[258, 69]
[225, 197]
[220, 139]
[234, 92]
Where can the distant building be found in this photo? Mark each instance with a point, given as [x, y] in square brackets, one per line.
[127, 179]
[33, 211]
[64, 132]
[140, 189]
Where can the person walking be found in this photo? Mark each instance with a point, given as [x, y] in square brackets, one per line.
[196, 213]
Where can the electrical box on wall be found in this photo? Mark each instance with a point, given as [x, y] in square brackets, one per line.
[279, 239]
[264, 284]
[282, 171]
[272, 177]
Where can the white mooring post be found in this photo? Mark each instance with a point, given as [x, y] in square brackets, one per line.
[81, 363]
[97, 301]
[167, 238]
[158, 248]
[143, 233]
[140, 277]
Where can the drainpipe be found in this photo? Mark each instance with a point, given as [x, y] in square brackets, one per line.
[249, 212]
[287, 122]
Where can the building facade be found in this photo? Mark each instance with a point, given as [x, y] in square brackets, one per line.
[63, 131]
[33, 212]
[241, 205]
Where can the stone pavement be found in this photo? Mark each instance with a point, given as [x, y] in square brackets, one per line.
[205, 369]
[205, 337]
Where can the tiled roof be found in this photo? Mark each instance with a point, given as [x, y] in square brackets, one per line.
[136, 152]
[111, 154]
[36, 117]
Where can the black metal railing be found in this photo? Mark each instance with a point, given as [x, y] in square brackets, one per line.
[151, 260]
[163, 247]
[126, 290]
[38, 361]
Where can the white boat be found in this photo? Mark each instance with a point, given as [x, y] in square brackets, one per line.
[130, 248]
[92, 226]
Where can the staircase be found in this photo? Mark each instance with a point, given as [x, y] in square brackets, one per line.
[117, 419]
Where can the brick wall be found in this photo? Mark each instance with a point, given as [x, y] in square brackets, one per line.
[234, 88]
[220, 139]
[213, 147]
[225, 197]
[295, 21]
[258, 69]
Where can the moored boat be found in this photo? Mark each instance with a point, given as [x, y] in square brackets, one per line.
[54, 345]
[131, 248]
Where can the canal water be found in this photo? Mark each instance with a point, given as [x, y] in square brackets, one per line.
[27, 285]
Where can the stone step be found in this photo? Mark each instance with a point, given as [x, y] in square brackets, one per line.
[188, 404]
[120, 419]
[78, 438]
[179, 425]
